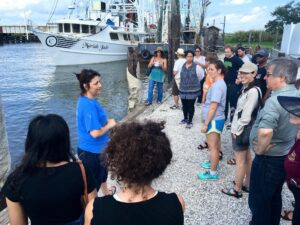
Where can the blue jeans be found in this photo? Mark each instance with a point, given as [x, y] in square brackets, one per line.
[266, 181]
[95, 165]
[159, 86]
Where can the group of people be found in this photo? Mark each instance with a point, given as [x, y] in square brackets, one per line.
[53, 187]
[244, 93]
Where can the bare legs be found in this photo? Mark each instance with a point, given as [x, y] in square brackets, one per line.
[214, 145]
[243, 168]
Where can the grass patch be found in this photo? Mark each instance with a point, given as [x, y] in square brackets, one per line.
[266, 44]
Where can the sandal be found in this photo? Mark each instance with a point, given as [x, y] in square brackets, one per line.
[220, 155]
[148, 103]
[232, 192]
[231, 161]
[203, 146]
[244, 188]
[287, 215]
[174, 107]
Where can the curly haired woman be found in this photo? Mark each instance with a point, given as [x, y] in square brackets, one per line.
[137, 154]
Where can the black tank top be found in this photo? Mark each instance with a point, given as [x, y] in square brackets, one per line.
[163, 209]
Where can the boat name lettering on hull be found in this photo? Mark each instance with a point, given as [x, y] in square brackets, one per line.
[93, 45]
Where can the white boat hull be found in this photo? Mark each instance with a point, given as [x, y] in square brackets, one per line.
[84, 50]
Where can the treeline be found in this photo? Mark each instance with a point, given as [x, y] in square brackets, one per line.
[252, 36]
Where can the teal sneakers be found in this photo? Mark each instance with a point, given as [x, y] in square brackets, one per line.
[208, 176]
[206, 165]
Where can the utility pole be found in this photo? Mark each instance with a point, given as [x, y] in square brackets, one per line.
[173, 36]
[204, 5]
[223, 35]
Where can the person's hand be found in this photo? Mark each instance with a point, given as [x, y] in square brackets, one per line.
[234, 136]
[298, 135]
[204, 128]
[255, 143]
[111, 123]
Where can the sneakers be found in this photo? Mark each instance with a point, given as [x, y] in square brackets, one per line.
[208, 176]
[189, 125]
[184, 121]
[175, 107]
[207, 164]
[148, 103]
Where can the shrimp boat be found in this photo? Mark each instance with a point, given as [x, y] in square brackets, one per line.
[103, 35]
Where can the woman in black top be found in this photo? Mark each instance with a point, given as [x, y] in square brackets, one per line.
[137, 154]
[47, 185]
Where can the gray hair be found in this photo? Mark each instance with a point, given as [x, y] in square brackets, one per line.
[284, 67]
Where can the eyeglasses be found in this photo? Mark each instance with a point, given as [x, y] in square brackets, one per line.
[269, 74]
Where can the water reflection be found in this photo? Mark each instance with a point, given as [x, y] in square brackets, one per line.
[31, 85]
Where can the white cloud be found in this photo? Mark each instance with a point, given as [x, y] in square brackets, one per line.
[16, 4]
[236, 2]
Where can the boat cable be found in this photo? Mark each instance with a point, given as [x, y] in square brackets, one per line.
[52, 11]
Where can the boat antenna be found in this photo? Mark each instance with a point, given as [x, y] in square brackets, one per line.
[52, 11]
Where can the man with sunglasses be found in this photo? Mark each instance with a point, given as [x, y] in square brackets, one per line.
[271, 137]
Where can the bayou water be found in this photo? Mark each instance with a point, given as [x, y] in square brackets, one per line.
[31, 84]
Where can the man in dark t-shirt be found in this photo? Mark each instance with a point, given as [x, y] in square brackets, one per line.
[232, 64]
[262, 58]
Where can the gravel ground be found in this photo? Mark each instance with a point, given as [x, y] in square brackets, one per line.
[205, 203]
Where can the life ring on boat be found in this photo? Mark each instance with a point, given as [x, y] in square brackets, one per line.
[145, 54]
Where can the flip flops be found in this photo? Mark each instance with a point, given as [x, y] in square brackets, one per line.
[244, 188]
[203, 146]
[232, 192]
[231, 162]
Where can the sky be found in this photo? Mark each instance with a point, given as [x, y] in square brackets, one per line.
[241, 15]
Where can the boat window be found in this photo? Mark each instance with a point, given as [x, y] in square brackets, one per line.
[125, 37]
[93, 29]
[76, 28]
[136, 37]
[85, 28]
[114, 36]
[60, 27]
[67, 28]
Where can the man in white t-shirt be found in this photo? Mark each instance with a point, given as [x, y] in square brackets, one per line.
[242, 54]
[176, 81]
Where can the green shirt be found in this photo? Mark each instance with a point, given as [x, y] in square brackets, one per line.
[273, 116]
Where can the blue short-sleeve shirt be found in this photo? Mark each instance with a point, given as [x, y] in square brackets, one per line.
[90, 116]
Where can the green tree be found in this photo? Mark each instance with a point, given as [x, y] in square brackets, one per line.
[289, 13]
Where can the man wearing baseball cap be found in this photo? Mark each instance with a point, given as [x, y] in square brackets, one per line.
[261, 59]
[272, 136]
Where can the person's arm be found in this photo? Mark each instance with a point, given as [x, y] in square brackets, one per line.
[182, 202]
[164, 66]
[88, 215]
[210, 115]
[151, 63]
[264, 137]
[268, 123]
[249, 104]
[98, 133]
[200, 72]
[16, 213]
[92, 195]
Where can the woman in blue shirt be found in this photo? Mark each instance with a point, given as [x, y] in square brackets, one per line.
[93, 126]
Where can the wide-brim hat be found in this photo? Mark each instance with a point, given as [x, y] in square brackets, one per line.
[290, 104]
[159, 49]
[248, 67]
